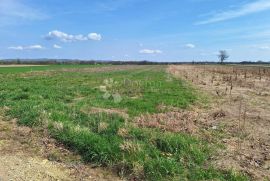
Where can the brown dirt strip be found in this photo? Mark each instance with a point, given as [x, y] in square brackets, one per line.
[110, 68]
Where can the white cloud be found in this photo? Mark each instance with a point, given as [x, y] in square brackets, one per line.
[149, 51]
[31, 47]
[260, 47]
[264, 47]
[94, 36]
[64, 36]
[57, 46]
[34, 47]
[246, 9]
[190, 45]
[71, 38]
[16, 48]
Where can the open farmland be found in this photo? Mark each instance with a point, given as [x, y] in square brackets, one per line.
[137, 121]
[135, 90]
[239, 105]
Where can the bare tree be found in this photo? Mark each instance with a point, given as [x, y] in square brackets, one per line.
[223, 55]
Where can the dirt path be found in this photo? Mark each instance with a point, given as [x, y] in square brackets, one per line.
[239, 113]
[26, 155]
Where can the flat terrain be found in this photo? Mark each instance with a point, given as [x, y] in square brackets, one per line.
[240, 103]
[21, 65]
[11, 69]
[139, 122]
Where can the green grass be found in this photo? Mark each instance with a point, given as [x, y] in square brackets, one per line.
[63, 102]
[9, 70]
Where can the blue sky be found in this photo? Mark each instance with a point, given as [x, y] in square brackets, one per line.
[157, 30]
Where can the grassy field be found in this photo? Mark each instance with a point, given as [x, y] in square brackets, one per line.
[91, 110]
[21, 69]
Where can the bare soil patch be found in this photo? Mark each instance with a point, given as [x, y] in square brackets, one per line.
[239, 111]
